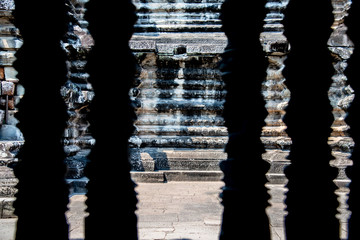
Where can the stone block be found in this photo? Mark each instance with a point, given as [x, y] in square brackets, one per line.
[167, 49]
[6, 208]
[7, 181]
[7, 5]
[205, 49]
[148, 177]
[8, 30]
[7, 58]
[10, 43]
[144, 45]
[193, 176]
[10, 74]
[20, 90]
[201, 165]
[149, 165]
[7, 190]
[7, 88]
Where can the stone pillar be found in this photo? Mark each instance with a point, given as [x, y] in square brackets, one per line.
[77, 93]
[243, 68]
[11, 138]
[341, 95]
[180, 131]
[276, 94]
[111, 202]
[311, 197]
[42, 195]
[353, 75]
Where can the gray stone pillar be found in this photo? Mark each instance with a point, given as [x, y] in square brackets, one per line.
[11, 138]
[243, 68]
[311, 197]
[42, 195]
[77, 93]
[341, 96]
[111, 66]
[276, 94]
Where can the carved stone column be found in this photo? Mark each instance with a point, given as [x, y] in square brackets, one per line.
[243, 71]
[42, 191]
[276, 94]
[353, 75]
[341, 95]
[311, 197]
[111, 66]
[11, 138]
[77, 93]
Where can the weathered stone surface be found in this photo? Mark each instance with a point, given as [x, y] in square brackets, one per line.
[341, 96]
[148, 177]
[277, 96]
[7, 5]
[178, 16]
[7, 58]
[181, 95]
[11, 138]
[274, 90]
[176, 176]
[193, 175]
[77, 91]
[7, 88]
[6, 207]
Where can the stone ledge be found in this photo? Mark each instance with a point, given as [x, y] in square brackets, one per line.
[176, 176]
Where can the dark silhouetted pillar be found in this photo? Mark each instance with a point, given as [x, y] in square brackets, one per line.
[111, 196]
[311, 202]
[42, 191]
[243, 67]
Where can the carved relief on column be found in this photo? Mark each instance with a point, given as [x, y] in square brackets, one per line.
[77, 93]
[341, 95]
[277, 96]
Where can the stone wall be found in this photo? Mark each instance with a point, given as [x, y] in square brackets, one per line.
[180, 95]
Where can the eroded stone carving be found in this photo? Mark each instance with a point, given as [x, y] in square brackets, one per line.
[341, 95]
[77, 91]
[277, 95]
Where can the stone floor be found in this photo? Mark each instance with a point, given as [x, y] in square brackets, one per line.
[173, 210]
